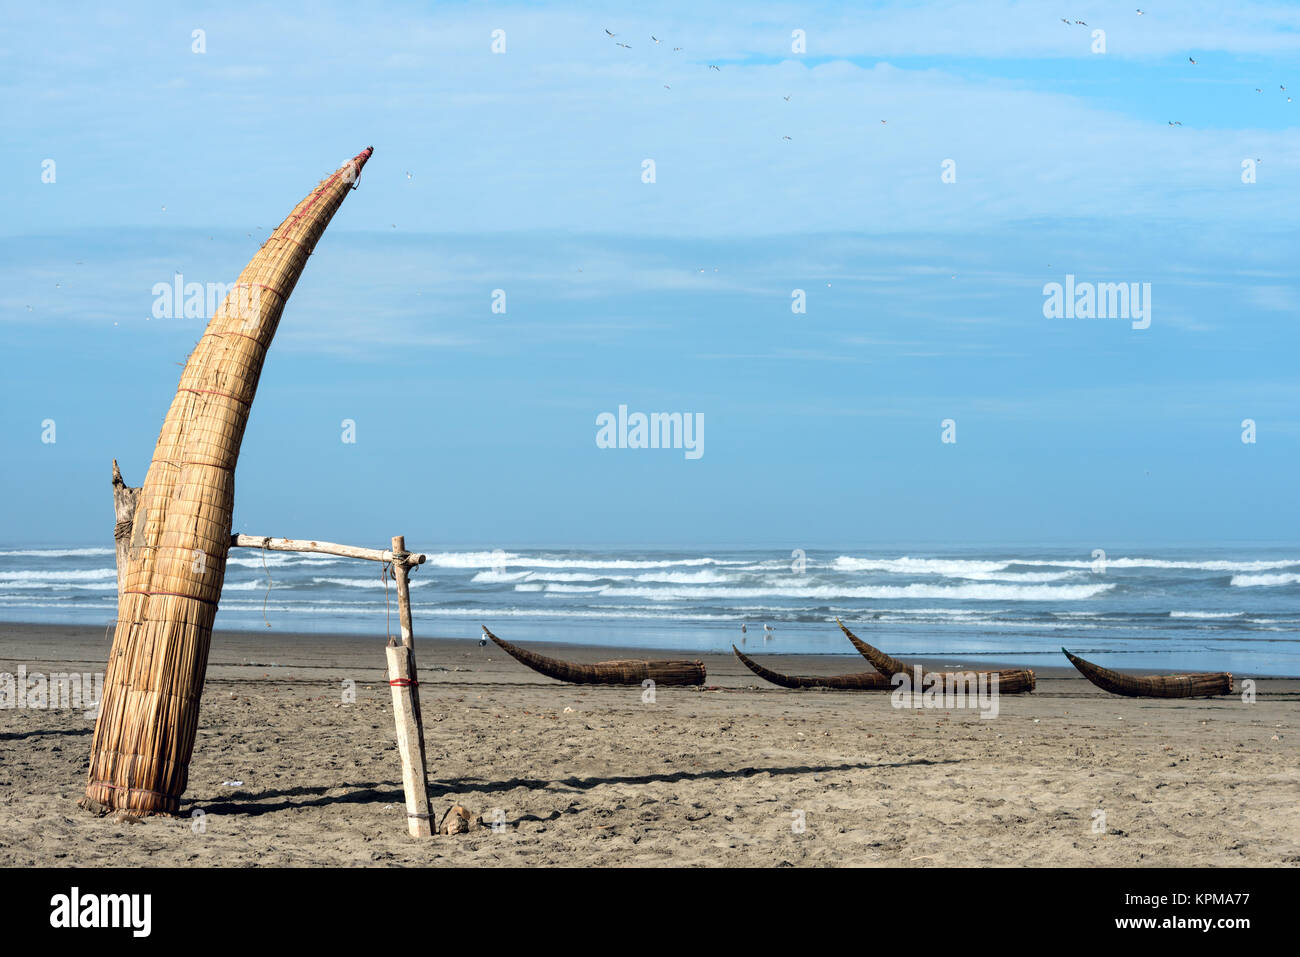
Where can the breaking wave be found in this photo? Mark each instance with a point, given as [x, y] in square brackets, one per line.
[985, 592]
[1255, 581]
[82, 575]
[56, 552]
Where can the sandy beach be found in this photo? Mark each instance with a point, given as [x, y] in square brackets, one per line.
[740, 773]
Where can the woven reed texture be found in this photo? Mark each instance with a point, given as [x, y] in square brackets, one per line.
[1205, 684]
[1010, 681]
[149, 711]
[862, 681]
[623, 672]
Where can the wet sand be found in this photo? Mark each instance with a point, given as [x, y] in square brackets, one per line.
[743, 773]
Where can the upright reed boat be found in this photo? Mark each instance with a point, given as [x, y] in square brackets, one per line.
[176, 559]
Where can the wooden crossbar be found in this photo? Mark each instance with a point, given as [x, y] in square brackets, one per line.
[324, 548]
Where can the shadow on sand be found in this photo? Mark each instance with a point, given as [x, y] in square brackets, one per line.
[264, 802]
[21, 735]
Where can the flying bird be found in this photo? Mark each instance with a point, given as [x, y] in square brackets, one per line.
[786, 98]
[611, 34]
[677, 49]
[1192, 61]
[408, 174]
[623, 45]
[785, 138]
[1141, 12]
[1175, 122]
[655, 38]
[712, 67]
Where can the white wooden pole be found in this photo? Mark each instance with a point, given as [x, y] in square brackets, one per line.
[410, 740]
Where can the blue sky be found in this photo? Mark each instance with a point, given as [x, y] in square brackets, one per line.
[924, 298]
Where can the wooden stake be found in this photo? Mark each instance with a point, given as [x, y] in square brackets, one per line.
[410, 739]
[400, 573]
[403, 589]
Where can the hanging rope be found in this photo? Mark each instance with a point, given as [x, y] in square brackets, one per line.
[268, 586]
[388, 610]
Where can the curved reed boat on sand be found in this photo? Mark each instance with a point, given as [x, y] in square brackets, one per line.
[1010, 681]
[631, 671]
[863, 681]
[1203, 684]
[180, 533]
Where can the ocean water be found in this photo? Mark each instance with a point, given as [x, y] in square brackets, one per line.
[1196, 609]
